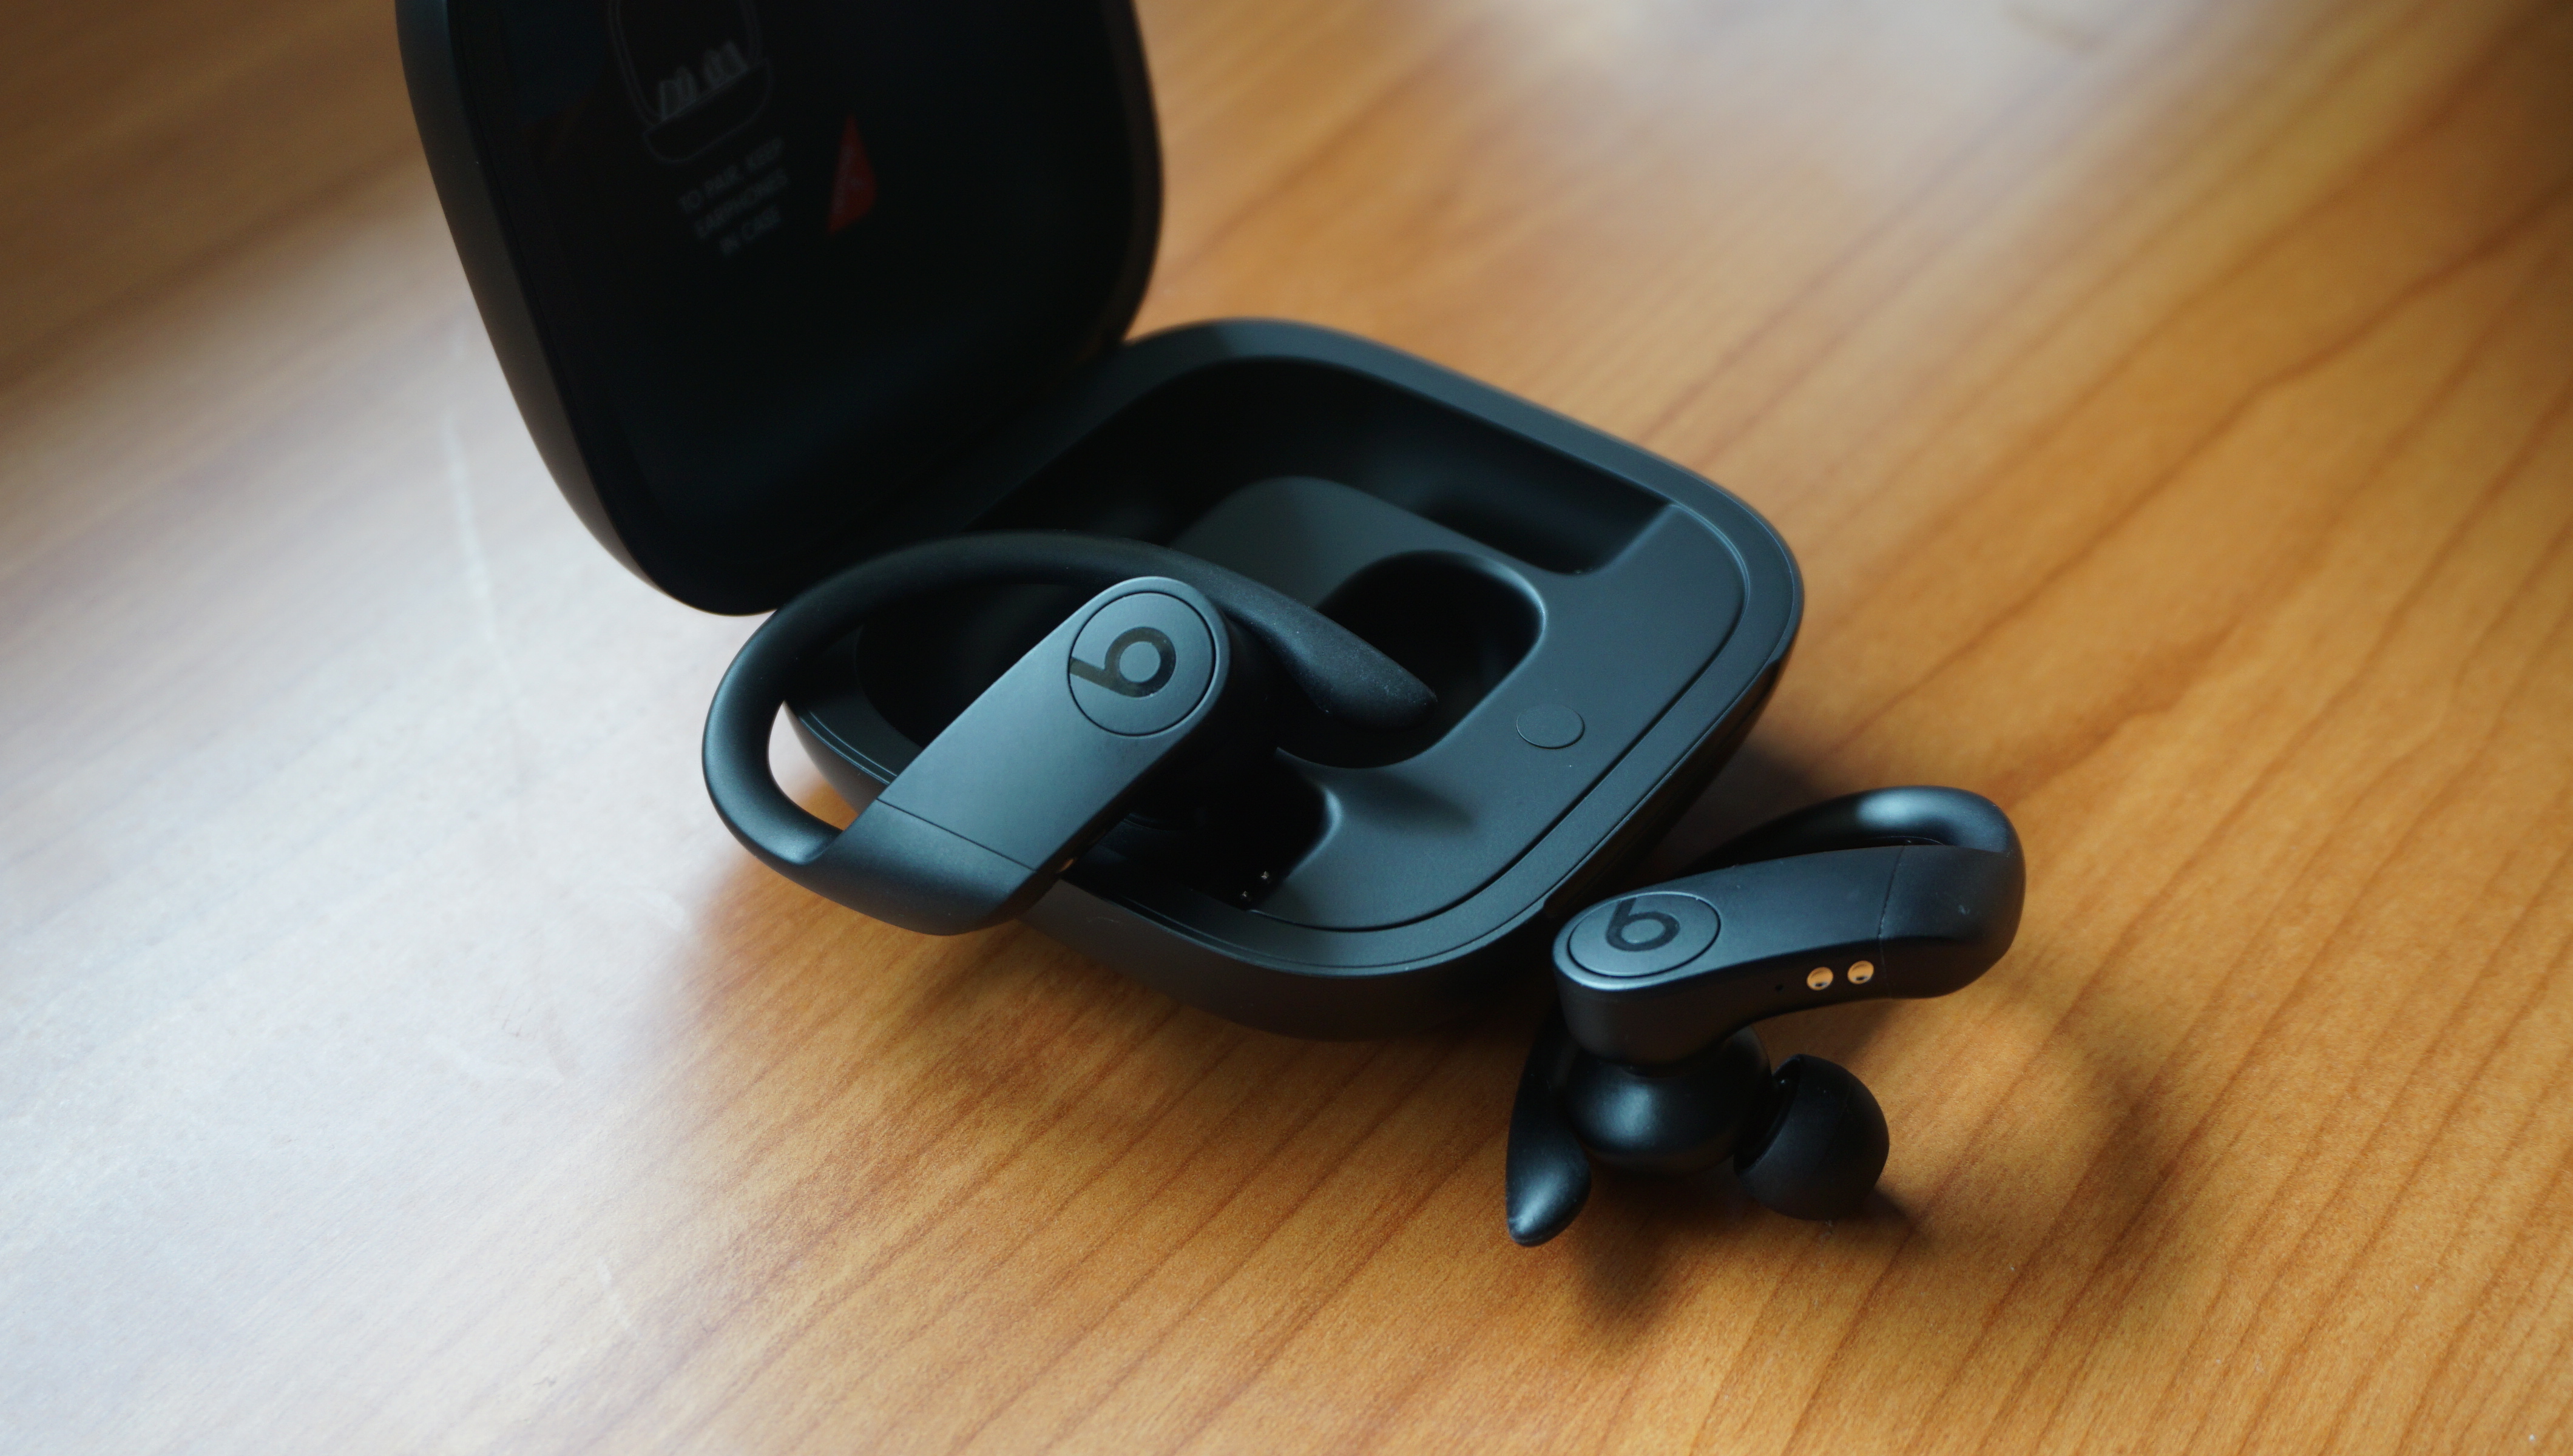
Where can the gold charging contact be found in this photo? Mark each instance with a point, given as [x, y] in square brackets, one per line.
[1818, 978]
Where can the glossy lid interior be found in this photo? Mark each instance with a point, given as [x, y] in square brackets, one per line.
[756, 267]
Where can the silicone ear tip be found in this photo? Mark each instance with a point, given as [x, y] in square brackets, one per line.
[1824, 1147]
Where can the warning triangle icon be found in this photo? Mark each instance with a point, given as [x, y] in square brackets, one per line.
[853, 184]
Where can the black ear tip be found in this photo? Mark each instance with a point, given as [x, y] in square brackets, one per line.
[1824, 1146]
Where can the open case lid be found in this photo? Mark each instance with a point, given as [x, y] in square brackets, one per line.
[756, 268]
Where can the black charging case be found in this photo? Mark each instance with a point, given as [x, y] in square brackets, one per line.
[781, 286]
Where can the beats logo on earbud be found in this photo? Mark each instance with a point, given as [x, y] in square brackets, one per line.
[1118, 674]
[1166, 671]
[1652, 1064]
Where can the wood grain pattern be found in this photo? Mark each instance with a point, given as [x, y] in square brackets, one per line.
[2168, 404]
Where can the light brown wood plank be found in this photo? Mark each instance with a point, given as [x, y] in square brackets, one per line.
[2172, 408]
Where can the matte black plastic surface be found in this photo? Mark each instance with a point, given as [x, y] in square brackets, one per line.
[1028, 771]
[985, 817]
[1614, 643]
[1824, 925]
[756, 268]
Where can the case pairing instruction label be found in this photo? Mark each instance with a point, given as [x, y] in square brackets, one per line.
[738, 204]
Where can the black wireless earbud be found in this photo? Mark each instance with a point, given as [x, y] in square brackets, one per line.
[1652, 1064]
[1163, 671]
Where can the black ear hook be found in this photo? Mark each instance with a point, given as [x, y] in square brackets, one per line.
[1652, 1064]
[1049, 757]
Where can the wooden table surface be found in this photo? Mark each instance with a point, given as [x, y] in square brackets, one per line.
[2167, 402]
